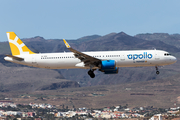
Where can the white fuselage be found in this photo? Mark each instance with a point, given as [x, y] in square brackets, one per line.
[67, 60]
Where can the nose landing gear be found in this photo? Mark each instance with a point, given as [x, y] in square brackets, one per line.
[157, 71]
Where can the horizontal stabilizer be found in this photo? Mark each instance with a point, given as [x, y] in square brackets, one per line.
[16, 58]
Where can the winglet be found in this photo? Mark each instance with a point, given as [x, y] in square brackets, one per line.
[67, 45]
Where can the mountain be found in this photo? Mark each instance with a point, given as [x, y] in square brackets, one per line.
[31, 79]
[173, 39]
[112, 41]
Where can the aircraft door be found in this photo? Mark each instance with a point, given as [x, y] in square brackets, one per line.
[157, 57]
[34, 63]
[122, 58]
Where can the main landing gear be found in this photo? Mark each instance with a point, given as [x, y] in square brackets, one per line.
[91, 73]
[157, 71]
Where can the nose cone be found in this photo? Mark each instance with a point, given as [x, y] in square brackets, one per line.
[173, 59]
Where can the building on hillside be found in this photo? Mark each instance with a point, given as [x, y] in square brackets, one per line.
[70, 113]
[12, 113]
[58, 114]
[31, 114]
[156, 117]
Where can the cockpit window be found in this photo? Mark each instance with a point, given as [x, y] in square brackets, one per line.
[167, 54]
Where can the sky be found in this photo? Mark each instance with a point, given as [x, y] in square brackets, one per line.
[73, 19]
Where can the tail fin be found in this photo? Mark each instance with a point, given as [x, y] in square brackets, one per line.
[16, 45]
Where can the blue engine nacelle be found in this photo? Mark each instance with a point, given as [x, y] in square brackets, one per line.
[109, 67]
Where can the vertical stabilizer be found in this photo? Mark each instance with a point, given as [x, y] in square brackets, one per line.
[16, 45]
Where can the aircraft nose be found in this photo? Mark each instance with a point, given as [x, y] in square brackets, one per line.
[173, 59]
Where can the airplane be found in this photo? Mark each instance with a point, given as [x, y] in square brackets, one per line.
[105, 61]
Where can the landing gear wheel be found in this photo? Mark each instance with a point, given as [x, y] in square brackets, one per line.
[157, 72]
[91, 73]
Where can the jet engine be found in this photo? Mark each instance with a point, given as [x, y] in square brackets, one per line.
[109, 67]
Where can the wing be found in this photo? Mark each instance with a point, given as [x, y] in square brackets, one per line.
[86, 59]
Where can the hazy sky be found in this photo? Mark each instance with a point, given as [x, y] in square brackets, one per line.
[72, 19]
